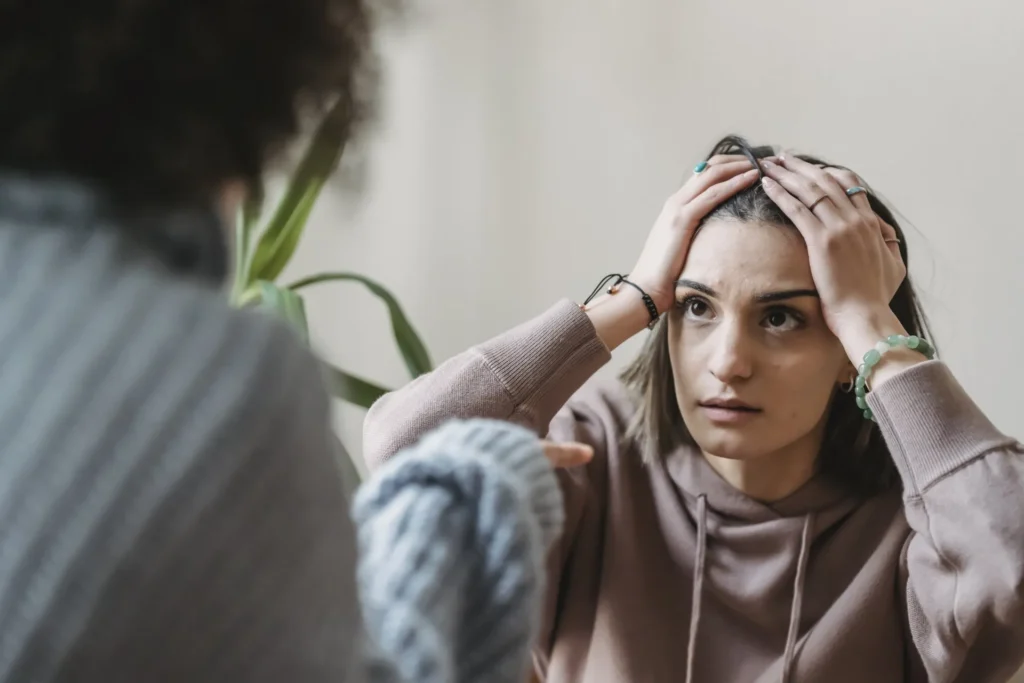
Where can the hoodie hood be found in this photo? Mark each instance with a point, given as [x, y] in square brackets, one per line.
[760, 549]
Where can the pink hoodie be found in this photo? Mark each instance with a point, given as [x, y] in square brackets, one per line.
[667, 573]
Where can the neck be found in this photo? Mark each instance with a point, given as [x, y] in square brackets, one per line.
[773, 476]
[188, 240]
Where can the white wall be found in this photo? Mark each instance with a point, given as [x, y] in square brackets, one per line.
[525, 147]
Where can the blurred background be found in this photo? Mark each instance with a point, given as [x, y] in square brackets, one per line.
[524, 148]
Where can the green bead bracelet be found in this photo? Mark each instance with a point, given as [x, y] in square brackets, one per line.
[874, 356]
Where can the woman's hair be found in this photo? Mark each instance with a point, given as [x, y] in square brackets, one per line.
[169, 100]
[854, 453]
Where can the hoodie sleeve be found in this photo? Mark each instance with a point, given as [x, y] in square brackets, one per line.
[964, 499]
[524, 376]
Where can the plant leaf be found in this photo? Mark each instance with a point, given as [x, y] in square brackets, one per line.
[285, 303]
[353, 389]
[279, 240]
[245, 225]
[413, 351]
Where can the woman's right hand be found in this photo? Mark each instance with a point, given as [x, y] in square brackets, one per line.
[664, 253]
[617, 318]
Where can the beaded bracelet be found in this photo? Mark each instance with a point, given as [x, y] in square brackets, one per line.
[874, 356]
[616, 279]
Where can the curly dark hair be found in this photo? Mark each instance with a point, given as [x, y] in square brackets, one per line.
[168, 100]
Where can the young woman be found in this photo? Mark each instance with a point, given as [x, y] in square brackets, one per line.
[784, 486]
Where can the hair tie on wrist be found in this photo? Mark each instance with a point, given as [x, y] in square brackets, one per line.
[874, 357]
[617, 279]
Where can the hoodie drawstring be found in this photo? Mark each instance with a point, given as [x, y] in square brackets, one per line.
[698, 591]
[798, 598]
[698, 583]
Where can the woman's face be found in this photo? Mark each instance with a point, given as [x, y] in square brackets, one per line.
[754, 364]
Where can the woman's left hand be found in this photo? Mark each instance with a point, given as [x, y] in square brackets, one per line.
[854, 255]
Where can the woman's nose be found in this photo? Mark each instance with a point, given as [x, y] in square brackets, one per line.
[732, 355]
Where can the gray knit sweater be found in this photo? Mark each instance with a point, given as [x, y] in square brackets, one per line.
[170, 507]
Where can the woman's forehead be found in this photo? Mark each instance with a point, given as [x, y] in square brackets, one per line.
[729, 254]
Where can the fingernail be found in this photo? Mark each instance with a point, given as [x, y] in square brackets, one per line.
[767, 164]
[768, 182]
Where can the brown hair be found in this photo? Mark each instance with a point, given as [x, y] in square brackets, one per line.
[168, 100]
[854, 453]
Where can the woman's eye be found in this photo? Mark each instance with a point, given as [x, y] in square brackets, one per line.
[695, 308]
[782, 320]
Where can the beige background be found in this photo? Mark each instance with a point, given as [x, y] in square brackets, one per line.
[525, 147]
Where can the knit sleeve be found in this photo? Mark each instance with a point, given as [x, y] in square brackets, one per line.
[452, 535]
[963, 481]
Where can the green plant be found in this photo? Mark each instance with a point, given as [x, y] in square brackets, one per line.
[264, 248]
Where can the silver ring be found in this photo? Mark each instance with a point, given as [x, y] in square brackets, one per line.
[893, 240]
[855, 190]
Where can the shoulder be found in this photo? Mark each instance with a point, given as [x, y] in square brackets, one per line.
[603, 403]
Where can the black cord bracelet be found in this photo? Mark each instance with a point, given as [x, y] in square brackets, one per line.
[617, 279]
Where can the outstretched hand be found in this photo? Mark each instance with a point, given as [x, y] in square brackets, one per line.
[567, 454]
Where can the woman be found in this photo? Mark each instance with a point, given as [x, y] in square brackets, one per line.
[743, 517]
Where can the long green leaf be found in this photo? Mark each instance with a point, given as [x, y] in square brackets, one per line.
[245, 226]
[413, 351]
[352, 389]
[279, 240]
[285, 303]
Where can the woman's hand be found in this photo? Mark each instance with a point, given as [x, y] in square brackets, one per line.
[618, 318]
[854, 255]
[664, 253]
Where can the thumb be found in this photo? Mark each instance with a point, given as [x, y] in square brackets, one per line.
[567, 454]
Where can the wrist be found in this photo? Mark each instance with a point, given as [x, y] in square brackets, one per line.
[662, 299]
[863, 331]
[618, 317]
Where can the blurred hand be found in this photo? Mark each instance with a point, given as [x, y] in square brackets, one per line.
[569, 454]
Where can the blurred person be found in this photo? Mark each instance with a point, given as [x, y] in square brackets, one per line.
[786, 485]
[170, 507]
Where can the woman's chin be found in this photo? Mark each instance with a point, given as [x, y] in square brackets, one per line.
[730, 444]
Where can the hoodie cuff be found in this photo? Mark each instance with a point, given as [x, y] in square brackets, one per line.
[930, 424]
[544, 361]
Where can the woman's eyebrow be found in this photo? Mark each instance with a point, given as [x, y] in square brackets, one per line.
[700, 287]
[767, 297]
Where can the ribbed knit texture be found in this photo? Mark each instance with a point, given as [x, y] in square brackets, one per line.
[452, 535]
[169, 505]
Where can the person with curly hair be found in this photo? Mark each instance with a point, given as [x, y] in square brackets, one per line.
[170, 507]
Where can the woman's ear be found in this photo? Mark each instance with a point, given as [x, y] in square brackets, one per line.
[847, 378]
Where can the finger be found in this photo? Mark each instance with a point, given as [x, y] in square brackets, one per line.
[569, 454]
[806, 222]
[712, 176]
[806, 191]
[712, 196]
[848, 179]
[823, 179]
[726, 158]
